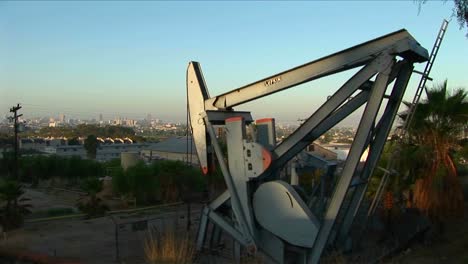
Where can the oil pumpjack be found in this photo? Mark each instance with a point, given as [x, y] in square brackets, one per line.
[260, 210]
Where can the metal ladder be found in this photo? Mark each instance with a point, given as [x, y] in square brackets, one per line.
[425, 75]
[421, 86]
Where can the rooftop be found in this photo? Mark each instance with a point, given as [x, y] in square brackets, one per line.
[175, 145]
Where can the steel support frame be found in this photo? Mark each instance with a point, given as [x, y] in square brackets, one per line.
[375, 140]
[292, 145]
[376, 146]
[333, 111]
[334, 118]
[241, 220]
[360, 143]
[238, 229]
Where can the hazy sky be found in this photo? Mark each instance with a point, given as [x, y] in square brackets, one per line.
[129, 58]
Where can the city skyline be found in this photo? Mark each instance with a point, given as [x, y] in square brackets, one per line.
[97, 117]
[127, 59]
[112, 119]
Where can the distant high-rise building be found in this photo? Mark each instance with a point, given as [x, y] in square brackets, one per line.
[62, 118]
[100, 117]
[149, 117]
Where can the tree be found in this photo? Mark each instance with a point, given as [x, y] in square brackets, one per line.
[92, 204]
[14, 208]
[176, 180]
[143, 182]
[73, 141]
[326, 138]
[436, 126]
[460, 11]
[91, 144]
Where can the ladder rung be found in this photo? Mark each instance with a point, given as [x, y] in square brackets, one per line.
[423, 74]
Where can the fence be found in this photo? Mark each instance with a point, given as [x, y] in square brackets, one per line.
[132, 229]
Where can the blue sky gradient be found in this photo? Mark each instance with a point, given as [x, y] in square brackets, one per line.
[129, 59]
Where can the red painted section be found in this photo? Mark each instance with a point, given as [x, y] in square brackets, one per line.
[266, 158]
[205, 170]
[233, 119]
[264, 120]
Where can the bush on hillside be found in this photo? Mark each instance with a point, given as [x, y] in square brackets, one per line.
[166, 180]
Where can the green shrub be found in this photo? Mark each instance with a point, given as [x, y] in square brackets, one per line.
[92, 205]
[91, 185]
[113, 163]
[168, 181]
[120, 183]
[73, 169]
[178, 180]
[15, 208]
[59, 211]
[139, 181]
[143, 182]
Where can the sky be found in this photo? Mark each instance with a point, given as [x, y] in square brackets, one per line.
[129, 59]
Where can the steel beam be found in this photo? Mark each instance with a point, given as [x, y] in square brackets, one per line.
[287, 149]
[361, 173]
[235, 200]
[239, 167]
[228, 228]
[398, 43]
[218, 117]
[357, 148]
[215, 236]
[202, 228]
[220, 200]
[329, 122]
[376, 147]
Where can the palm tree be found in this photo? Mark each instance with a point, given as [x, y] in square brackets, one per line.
[13, 206]
[92, 205]
[436, 126]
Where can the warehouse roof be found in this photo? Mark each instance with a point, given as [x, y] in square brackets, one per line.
[175, 145]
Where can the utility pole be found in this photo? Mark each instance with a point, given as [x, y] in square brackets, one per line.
[14, 119]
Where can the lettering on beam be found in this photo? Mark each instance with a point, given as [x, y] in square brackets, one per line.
[273, 81]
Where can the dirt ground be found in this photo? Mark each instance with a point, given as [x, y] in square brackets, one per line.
[94, 241]
[452, 247]
[75, 239]
[89, 241]
[46, 199]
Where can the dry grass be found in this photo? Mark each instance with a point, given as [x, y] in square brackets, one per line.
[169, 247]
